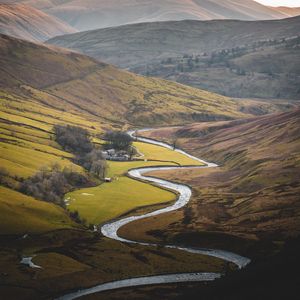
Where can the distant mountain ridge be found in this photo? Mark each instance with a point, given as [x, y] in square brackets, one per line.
[186, 52]
[92, 14]
[288, 11]
[131, 45]
[26, 22]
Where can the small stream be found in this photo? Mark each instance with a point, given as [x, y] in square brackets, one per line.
[110, 230]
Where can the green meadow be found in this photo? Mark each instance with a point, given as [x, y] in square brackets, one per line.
[27, 144]
[110, 200]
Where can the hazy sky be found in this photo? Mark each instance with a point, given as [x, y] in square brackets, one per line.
[295, 3]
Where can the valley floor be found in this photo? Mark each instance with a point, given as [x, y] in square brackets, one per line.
[72, 257]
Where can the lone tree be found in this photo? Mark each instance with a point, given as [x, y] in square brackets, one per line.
[118, 140]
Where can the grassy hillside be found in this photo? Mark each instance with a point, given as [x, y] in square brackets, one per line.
[110, 200]
[27, 145]
[233, 58]
[26, 135]
[75, 83]
[267, 69]
[21, 214]
[28, 23]
[254, 194]
[137, 45]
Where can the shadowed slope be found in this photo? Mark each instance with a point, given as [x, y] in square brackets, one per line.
[234, 58]
[136, 45]
[255, 194]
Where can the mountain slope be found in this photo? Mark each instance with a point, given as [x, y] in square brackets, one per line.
[140, 44]
[28, 23]
[41, 86]
[73, 82]
[92, 14]
[253, 194]
[264, 69]
[234, 58]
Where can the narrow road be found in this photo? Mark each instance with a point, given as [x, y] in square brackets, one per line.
[110, 230]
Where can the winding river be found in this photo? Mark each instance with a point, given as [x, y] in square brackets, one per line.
[110, 230]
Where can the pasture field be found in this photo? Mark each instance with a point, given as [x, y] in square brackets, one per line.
[21, 214]
[26, 145]
[110, 200]
[153, 152]
[26, 136]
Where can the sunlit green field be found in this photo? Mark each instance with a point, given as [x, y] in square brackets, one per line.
[123, 194]
[110, 200]
[27, 144]
[21, 214]
[26, 138]
[153, 152]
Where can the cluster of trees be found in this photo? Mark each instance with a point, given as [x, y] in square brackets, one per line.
[52, 184]
[73, 139]
[94, 163]
[118, 140]
[224, 55]
[77, 140]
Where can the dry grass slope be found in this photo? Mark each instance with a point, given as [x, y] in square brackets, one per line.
[28, 23]
[255, 192]
[75, 83]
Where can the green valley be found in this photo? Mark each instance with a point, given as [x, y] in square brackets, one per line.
[92, 206]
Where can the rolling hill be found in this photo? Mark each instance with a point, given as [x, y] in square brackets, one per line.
[253, 195]
[265, 69]
[73, 82]
[92, 14]
[137, 45]
[41, 86]
[28, 23]
[234, 58]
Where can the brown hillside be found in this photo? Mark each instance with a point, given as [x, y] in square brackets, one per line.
[253, 194]
[28, 23]
[73, 82]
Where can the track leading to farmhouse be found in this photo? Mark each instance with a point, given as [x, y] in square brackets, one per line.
[110, 230]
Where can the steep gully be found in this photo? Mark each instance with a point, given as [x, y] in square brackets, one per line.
[110, 230]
